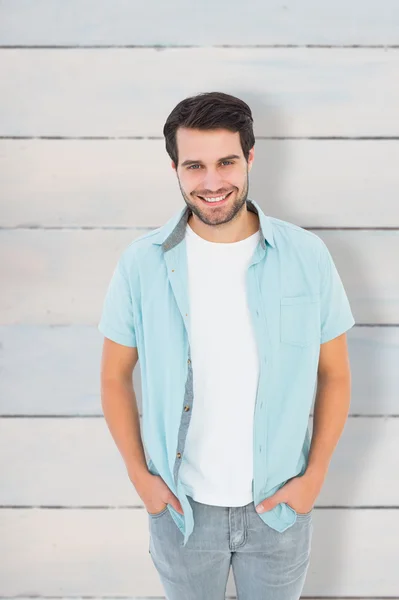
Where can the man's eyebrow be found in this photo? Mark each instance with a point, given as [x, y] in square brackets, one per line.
[194, 162]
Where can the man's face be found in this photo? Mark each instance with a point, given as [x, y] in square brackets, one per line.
[212, 164]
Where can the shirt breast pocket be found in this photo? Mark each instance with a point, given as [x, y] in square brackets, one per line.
[300, 319]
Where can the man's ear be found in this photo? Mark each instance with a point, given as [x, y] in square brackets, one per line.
[251, 157]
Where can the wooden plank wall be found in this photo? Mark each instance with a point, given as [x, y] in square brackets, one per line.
[86, 87]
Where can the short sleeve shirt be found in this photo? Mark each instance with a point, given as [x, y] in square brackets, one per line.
[297, 301]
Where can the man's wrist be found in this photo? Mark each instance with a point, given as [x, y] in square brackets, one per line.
[139, 475]
[316, 472]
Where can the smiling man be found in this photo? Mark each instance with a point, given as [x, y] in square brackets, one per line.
[237, 318]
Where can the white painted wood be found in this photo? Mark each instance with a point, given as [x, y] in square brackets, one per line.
[84, 467]
[374, 356]
[369, 271]
[105, 183]
[74, 551]
[53, 282]
[104, 552]
[60, 277]
[117, 92]
[61, 367]
[155, 598]
[56, 383]
[225, 22]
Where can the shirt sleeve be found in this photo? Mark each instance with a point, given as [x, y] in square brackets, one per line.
[117, 318]
[336, 313]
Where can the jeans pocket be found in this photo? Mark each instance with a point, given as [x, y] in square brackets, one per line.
[304, 515]
[158, 514]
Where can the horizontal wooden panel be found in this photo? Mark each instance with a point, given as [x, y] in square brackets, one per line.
[116, 92]
[230, 596]
[84, 467]
[225, 22]
[104, 552]
[60, 277]
[105, 183]
[56, 383]
[163, 598]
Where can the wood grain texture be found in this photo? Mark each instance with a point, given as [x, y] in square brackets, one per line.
[105, 183]
[228, 597]
[71, 522]
[61, 370]
[75, 463]
[115, 92]
[57, 22]
[60, 277]
[104, 552]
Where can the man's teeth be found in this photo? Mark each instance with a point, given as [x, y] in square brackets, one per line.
[217, 199]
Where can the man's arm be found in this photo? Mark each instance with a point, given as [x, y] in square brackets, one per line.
[120, 407]
[331, 404]
[119, 357]
[122, 416]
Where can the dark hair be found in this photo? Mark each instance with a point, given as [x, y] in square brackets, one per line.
[210, 110]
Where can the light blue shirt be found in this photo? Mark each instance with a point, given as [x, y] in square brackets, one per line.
[297, 302]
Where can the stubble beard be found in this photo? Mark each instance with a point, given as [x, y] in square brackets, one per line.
[214, 216]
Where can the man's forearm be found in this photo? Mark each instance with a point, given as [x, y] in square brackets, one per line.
[121, 414]
[330, 414]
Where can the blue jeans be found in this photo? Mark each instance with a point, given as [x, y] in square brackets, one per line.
[267, 565]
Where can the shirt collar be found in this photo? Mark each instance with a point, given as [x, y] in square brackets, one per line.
[174, 230]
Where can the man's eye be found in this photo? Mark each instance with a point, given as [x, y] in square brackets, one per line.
[224, 161]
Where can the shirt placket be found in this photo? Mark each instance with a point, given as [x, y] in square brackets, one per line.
[256, 307]
[176, 261]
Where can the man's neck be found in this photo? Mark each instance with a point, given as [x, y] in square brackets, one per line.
[222, 234]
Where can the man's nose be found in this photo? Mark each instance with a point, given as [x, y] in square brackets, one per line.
[212, 181]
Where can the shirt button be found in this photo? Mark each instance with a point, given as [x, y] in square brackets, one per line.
[189, 361]
[178, 455]
[186, 408]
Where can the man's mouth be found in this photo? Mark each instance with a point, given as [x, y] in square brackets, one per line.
[216, 200]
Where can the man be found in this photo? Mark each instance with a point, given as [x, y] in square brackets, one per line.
[237, 317]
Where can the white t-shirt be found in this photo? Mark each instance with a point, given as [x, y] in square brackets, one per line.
[217, 463]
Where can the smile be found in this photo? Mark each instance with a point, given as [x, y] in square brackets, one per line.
[216, 200]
